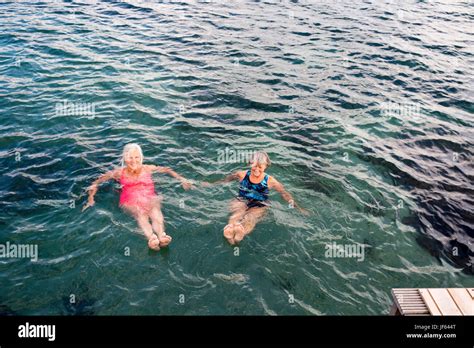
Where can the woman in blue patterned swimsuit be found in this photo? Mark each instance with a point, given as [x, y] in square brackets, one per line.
[252, 202]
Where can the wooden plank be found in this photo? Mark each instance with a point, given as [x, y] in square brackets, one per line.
[416, 312]
[404, 299]
[412, 306]
[430, 303]
[463, 300]
[409, 297]
[411, 303]
[444, 302]
[471, 292]
[395, 303]
[409, 300]
[394, 309]
[415, 305]
[418, 315]
[415, 309]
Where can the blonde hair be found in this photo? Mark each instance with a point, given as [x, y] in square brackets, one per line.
[261, 157]
[131, 147]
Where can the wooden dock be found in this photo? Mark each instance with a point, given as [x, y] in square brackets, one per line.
[449, 301]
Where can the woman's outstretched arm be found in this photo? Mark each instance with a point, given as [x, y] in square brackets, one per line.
[275, 184]
[238, 175]
[167, 170]
[112, 174]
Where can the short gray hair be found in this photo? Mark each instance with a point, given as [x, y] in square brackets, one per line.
[261, 157]
[130, 147]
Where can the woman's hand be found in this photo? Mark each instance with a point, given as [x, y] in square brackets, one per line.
[187, 185]
[90, 203]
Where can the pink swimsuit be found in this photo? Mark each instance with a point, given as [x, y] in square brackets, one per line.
[139, 192]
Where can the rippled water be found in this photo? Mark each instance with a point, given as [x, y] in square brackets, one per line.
[310, 82]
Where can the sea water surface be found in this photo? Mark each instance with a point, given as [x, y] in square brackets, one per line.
[365, 108]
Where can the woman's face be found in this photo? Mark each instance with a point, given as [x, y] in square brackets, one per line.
[257, 169]
[133, 159]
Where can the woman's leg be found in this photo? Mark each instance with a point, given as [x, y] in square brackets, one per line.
[158, 225]
[248, 222]
[145, 226]
[238, 209]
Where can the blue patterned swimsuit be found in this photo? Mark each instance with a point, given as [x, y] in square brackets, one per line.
[254, 195]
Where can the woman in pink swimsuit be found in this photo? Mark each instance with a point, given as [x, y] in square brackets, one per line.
[138, 195]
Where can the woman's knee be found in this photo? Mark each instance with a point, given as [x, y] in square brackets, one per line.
[155, 213]
[157, 220]
[142, 219]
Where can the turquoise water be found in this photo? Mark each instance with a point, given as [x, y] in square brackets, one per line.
[365, 109]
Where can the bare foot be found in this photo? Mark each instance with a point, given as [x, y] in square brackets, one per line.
[229, 233]
[165, 240]
[239, 232]
[154, 243]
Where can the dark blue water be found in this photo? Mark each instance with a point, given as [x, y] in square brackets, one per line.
[365, 108]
